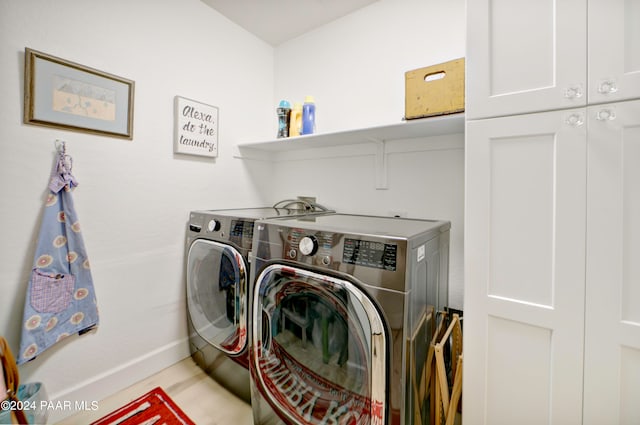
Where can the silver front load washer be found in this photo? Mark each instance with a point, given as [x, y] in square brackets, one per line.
[217, 274]
[344, 308]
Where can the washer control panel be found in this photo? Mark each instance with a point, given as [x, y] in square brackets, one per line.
[370, 254]
[314, 247]
[326, 248]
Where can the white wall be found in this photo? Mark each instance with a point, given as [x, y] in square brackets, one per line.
[134, 196]
[354, 67]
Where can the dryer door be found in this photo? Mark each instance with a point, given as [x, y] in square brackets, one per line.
[319, 349]
[216, 294]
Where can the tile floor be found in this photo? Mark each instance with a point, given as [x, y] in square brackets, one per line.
[199, 396]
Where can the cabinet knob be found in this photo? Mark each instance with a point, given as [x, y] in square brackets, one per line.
[607, 87]
[573, 92]
[575, 120]
[606, 115]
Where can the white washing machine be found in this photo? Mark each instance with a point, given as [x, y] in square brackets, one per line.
[344, 308]
[217, 275]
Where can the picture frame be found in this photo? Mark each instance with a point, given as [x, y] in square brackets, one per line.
[195, 128]
[63, 94]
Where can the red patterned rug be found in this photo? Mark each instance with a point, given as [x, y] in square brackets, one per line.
[153, 408]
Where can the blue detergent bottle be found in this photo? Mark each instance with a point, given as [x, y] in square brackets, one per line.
[308, 115]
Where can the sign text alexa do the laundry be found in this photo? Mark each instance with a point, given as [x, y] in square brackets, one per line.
[196, 128]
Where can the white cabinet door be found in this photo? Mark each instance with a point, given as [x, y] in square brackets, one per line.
[525, 56]
[524, 269]
[614, 50]
[612, 344]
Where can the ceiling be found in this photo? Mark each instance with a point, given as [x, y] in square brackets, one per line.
[276, 21]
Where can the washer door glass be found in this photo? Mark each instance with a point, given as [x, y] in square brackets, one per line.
[319, 348]
[216, 285]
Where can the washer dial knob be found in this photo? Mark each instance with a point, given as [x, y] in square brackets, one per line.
[213, 225]
[308, 245]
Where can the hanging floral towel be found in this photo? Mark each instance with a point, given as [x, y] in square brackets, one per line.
[60, 298]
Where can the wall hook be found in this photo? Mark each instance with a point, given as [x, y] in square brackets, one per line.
[61, 146]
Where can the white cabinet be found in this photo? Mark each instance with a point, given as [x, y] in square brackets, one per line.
[552, 276]
[529, 56]
[552, 212]
[614, 50]
[525, 56]
[524, 269]
[612, 344]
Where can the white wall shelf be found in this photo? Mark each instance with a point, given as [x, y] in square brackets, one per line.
[378, 136]
[425, 127]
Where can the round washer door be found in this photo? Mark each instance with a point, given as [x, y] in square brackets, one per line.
[319, 348]
[216, 294]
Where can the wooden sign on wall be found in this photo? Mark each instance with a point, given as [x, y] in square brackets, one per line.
[196, 128]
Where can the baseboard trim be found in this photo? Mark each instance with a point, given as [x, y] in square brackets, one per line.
[118, 378]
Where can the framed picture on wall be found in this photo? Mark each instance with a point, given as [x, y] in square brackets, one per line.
[63, 94]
